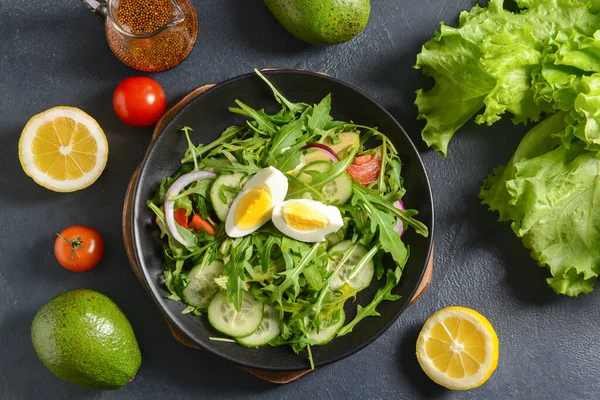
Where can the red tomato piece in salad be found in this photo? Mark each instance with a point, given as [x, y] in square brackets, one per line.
[366, 168]
[199, 224]
[363, 159]
[181, 218]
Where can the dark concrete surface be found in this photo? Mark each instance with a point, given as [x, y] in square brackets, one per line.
[54, 53]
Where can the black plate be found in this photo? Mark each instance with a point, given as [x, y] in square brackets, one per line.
[208, 116]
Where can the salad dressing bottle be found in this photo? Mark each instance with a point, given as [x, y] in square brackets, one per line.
[148, 35]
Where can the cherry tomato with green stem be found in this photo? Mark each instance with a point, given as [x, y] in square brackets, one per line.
[78, 248]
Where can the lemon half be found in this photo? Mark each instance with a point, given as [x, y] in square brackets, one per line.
[458, 348]
[63, 149]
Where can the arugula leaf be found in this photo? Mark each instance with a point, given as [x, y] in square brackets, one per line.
[344, 257]
[383, 294]
[290, 159]
[185, 203]
[298, 187]
[191, 148]
[384, 224]
[326, 298]
[394, 179]
[220, 165]
[268, 251]
[320, 116]
[169, 278]
[286, 137]
[294, 108]
[313, 277]
[199, 188]
[291, 276]
[362, 225]
[262, 119]
[227, 135]
[235, 266]
[161, 192]
[406, 216]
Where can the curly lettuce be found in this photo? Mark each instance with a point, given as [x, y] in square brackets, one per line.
[541, 59]
[552, 201]
[550, 193]
[488, 63]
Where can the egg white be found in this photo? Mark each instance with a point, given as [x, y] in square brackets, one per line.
[277, 183]
[332, 213]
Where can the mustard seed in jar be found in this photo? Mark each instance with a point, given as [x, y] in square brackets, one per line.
[164, 50]
[142, 17]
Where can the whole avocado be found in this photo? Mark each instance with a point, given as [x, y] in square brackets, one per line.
[322, 21]
[83, 337]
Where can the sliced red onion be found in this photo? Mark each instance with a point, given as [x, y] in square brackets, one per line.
[399, 225]
[174, 190]
[325, 149]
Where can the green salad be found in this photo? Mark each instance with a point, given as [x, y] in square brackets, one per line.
[274, 226]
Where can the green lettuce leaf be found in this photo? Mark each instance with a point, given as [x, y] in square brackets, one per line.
[455, 97]
[565, 60]
[490, 60]
[511, 57]
[550, 194]
[539, 140]
[559, 193]
[584, 117]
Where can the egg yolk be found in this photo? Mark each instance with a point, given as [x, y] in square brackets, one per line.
[304, 218]
[253, 208]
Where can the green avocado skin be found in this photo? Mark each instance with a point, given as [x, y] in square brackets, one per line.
[83, 337]
[322, 21]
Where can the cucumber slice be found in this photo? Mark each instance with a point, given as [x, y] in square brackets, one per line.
[232, 181]
[202, 287]
[269, 329]
[224, 318]
[337, 191]
[327, 333]
[319, 166]
[364, 277]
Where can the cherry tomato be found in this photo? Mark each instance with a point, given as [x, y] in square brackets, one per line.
[139, 101]
[199, 224]
[181, 218]
[79, 248]
[366, 168]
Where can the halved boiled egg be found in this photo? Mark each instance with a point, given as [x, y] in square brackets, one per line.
[307, 220]
[253, 206]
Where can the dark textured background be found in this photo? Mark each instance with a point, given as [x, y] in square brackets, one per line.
[54, 53]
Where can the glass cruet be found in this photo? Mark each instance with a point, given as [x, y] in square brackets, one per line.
[148, 35]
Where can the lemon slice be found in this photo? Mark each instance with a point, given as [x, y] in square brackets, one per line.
[63, 149]
[458, 348]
